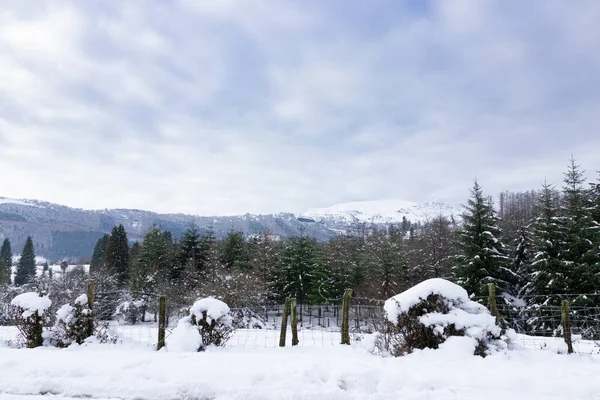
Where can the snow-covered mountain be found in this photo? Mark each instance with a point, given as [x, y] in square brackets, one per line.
[381, 212]
[59, 231]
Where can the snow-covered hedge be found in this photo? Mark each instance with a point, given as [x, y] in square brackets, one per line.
[246, 318]
[74, 324]
[427, 314]
[29, 312]
[208, 323]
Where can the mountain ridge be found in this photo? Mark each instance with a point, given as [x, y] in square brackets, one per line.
[66, 232]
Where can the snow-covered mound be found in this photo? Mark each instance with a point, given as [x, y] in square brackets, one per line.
[381, 211]
[30, 303]
[428, 314]
[209, 323]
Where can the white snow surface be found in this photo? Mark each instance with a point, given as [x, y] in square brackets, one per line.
[381, 211]
[65, 313]
[402, 302]
[214, 308]
[82, 300]
[185, 337]
[335, 373]
[31, 302]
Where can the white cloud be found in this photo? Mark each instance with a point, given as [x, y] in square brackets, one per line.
[233, 107]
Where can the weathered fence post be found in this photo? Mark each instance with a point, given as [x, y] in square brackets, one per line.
[492, 302]
[294, 322]
[162, 318]
[566, 324]
[284, 318]
[346, 316]
[90, 296]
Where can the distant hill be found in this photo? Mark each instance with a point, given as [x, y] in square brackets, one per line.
[64, 232]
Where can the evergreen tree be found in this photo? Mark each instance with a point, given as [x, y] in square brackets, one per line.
[155, 261]
[190, 256]
[265, 255]
[234, 253]
[4, 273]
[595, 200]
[117, 254]
[548, 276]
[386, 264]
[483, 259]
[26, 265]
[6, 255]
[99, 255]
[581, 237]
[522, 258]
[296, 267]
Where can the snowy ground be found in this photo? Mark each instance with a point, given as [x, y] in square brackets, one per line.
[333, 372]
[253, 367]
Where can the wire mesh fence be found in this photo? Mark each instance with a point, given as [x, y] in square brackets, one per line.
[538, 328]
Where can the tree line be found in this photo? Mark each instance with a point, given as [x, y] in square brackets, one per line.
[539, 245]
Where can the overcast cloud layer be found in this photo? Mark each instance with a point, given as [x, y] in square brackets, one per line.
[228, 107]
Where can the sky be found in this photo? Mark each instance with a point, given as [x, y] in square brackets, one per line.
[260, 106]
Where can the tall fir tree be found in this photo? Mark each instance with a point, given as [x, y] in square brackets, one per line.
[386, 264]
[155, 261]
[522, 258]
[234, 253]
[26, 266]
[117, 254]
[483, 258]
[548, 275]
[99, 255]
[265, 256]
[6, 253]
[297, 264]
[190, 256]
[581, 237]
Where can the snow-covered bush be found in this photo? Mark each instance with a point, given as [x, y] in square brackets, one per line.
[208, 323]
[74, 324]
[130, 311]
[247, 318]
[427, 314]
[29, 312]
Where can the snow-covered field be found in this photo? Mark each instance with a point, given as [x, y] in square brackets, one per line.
[330, 372]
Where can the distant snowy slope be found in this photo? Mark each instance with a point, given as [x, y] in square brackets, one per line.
[381, 211]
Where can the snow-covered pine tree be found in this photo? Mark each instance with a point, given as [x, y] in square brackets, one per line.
[522, 258]
[581, 238]
[297, 263]
[548, 275]
[482, 257]
[26, 265]
[264, 263]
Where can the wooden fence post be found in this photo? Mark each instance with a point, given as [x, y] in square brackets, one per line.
[566, 324]
[492, 302]
[90, 296]
[346, 316]
[294, 322]
[162, 318]
[284, 317]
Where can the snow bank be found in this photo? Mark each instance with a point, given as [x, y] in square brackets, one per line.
[30, 303]
[185, 337]
[336, 373]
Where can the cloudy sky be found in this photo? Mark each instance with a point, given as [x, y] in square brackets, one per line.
[225, 107]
